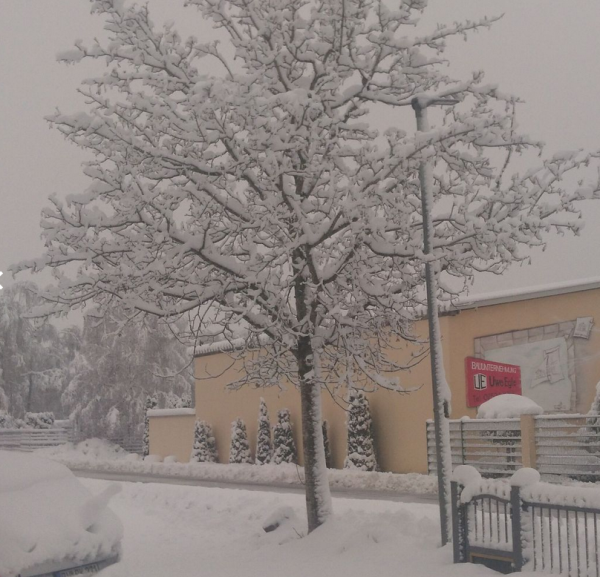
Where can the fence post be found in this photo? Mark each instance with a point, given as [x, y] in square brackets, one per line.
[528, 448]
[515, 512]
[462, 442]
[459, 525]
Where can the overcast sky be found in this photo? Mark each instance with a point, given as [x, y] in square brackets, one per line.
[547, 51]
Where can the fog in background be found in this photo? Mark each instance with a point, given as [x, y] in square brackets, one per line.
[546, 51]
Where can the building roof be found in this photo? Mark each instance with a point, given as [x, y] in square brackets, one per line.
[461, 303]
[523, 294]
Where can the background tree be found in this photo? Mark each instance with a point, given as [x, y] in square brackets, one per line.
[205, 446]
[34, 356]
[239, 451]
[361, 448]
[284, 448]
[123, 359]
[262, 200]
[264, 448]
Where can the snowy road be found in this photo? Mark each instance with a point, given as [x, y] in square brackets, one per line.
[271, 487]
[182, 531]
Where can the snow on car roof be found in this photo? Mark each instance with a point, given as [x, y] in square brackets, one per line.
[20, 470]
[48, 518]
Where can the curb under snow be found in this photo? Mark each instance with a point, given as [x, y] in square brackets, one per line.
[275, 475]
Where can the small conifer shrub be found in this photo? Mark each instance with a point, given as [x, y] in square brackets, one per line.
[361, 448]
[326, 445]
[151, 403]
[239, 451]
[205, 446]
[264, 447]
[284, 448]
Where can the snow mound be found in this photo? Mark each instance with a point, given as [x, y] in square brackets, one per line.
[89, 450]
[47, 517]
[465, 474]
[508, 407]
[524, 477]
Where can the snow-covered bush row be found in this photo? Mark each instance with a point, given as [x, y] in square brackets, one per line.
[39, 420]
[43, 420]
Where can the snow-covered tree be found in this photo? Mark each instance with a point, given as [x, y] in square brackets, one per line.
[284, 447]
[205, 446]
[151, 403]
[239, 451]
[261, 198]
[361, 448]
[326, 445]
[264, 446]
[122, 360]
[34, 357]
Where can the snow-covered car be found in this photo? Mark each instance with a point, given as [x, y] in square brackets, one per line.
[50, 524]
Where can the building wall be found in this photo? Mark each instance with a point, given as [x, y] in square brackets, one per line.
[399, 419]
[527, 314]
[172, 436]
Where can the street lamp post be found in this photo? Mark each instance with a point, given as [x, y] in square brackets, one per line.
[440, 406]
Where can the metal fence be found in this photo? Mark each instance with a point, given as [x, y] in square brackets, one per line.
[129, 444]
[508, 529]
[63, 432]
[568, 445]
[492, 446]
[31, 439]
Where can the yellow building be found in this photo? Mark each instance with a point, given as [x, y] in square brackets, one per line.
[547, 332]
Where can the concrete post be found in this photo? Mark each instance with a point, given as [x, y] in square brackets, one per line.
[528, 448]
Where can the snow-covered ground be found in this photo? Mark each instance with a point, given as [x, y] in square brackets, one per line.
[192, 531]
[103, 457]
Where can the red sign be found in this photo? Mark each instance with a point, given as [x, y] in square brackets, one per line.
[488, 379]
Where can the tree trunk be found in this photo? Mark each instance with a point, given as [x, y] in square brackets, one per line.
[318, 497]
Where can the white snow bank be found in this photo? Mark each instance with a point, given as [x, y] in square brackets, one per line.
[101, 456]
[88, 451]
[508, 407]
[47, 517]
[170, 412]
[191, 531]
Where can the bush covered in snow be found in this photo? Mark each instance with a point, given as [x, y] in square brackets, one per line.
[39, 420]
[264, 446]
[7, 421]
[239, 451]
[205, 446]
[326, 445]
[361, 448]
[151, 403]
[284, 448]
[508, 407]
